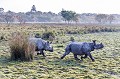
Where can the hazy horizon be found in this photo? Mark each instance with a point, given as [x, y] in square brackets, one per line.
[79, 6]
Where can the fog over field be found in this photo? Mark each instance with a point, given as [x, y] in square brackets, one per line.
[79, 6]
[93, 11]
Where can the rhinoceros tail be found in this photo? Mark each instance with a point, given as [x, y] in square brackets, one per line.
[67, 51]
[68, 48]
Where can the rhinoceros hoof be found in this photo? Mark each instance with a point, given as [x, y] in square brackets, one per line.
[93, 60]
[77, 59]
[61, 57]
[38, 53]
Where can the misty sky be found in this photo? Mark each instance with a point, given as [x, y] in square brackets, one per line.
[79, 6]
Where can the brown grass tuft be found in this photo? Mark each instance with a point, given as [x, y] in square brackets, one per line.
[21, 48]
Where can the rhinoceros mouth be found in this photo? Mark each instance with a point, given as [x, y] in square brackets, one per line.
[97, 48]
[51, 50]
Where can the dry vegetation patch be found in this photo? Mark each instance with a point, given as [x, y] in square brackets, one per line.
[21, 48]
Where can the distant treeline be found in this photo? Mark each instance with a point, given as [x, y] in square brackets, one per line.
[63, 16]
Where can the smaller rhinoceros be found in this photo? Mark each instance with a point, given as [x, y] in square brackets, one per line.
[41, 45]
[82, 48]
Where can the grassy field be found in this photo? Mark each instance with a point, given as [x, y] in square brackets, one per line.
[106, 65]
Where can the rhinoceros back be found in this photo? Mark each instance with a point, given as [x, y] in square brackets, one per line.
[38, 42]
[86, 47]
[79, 47]
[75, 47]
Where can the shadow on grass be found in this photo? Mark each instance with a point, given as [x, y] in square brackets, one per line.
[6, 60]
[67, 63]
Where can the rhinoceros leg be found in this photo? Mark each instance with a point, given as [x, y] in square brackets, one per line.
[89, 54]
[41, 51]
[38, 53]
[37, 50]
[76, 58]
[84, 56]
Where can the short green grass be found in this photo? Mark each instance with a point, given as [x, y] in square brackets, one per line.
[106, 65]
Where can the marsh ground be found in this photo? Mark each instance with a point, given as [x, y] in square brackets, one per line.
[106, 65]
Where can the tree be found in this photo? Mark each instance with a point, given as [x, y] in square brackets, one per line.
[68, 15]
[101, 18]
[1, 10]
[110, 18]
[21, 19]
[8, 18]
[33, 8]
[76, 18]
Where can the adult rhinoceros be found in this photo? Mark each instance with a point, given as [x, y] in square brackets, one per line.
[82, 48]
[41, 45]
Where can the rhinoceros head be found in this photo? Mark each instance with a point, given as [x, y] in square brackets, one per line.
[99, 46]
[48, 47]
[96, 46]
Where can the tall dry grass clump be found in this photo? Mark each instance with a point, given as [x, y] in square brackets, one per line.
[21, 48]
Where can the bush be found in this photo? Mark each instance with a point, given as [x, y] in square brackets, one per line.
[48, 36]
[72, 32]
[21, 48]
[37, 35]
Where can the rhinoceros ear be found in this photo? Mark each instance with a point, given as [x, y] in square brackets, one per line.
[51, 42]
[47, 41]
[102, 44]
[94, 41]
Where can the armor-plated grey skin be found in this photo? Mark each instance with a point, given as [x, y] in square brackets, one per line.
[41, 45]
[84, 48]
